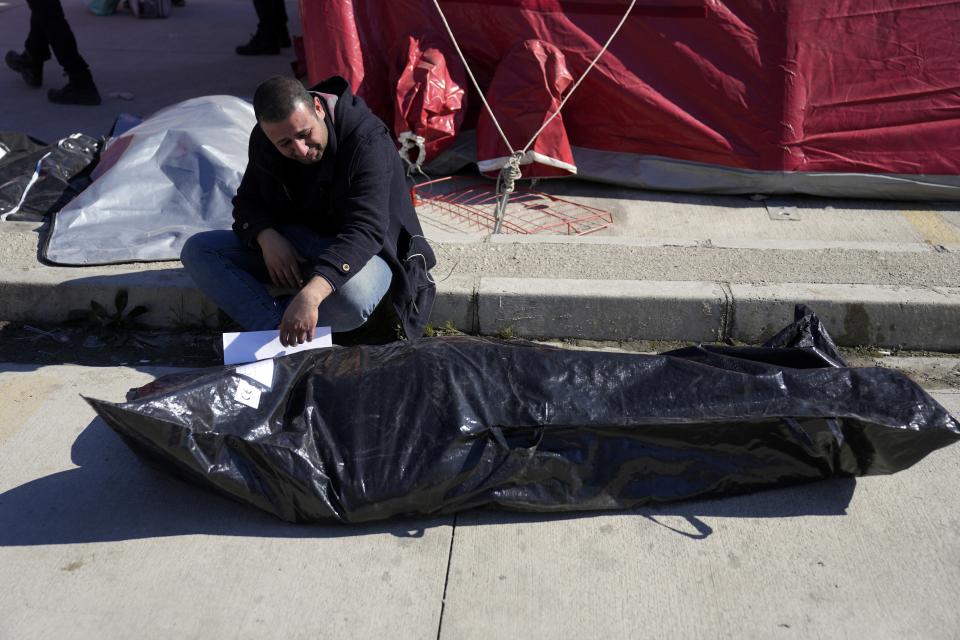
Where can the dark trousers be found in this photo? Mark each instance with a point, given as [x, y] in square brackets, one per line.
[271, 15]
[49, 30]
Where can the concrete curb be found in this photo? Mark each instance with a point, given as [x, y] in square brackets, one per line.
[48, 295]
[602, 309]
[882, 315]
[889, 316]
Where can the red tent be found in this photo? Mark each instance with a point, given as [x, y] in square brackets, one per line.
[831, 97]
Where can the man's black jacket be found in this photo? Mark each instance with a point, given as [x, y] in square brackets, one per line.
[366, 206]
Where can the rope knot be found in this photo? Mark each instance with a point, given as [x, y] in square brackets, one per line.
[408, 141]
[511, 172]
[506, 184]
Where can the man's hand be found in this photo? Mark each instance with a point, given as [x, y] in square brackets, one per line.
[281, 259]
[300, 319]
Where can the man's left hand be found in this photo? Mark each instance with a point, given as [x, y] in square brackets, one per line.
[300, 319]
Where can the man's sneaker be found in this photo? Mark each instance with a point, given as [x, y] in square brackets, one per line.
[261, 44]
[75, 93]
[26, 66]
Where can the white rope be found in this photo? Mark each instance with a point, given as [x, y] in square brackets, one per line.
[408, 141]
[476, 85]
[577, 83]
[426, 267]
[510, 172]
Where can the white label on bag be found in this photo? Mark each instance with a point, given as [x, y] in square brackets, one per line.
[261, 371]
[247, 394]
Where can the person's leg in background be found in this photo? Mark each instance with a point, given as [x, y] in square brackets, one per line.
[49, 29]
[280, 23]
[36, 51]
[271, 34]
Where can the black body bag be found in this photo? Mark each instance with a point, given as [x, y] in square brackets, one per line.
[444, 424]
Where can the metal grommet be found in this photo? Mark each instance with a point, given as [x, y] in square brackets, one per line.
[345, 266]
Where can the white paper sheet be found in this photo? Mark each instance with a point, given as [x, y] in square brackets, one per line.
[261, 371]
[250, 346]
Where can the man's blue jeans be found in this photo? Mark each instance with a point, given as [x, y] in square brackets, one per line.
[236, 278]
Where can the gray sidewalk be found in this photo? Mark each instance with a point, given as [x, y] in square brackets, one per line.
[671, 267]
[95, 544]
[159, 62]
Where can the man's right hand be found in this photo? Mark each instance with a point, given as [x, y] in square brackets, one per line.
[282, 260]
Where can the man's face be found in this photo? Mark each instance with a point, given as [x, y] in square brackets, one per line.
[302, 136]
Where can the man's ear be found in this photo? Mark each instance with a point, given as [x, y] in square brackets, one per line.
[319, 107]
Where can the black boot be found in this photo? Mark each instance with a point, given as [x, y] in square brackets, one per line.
[284, 38]
[80, 89]
[26, 66]
[261, 44]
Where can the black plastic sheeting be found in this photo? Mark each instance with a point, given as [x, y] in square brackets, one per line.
[38, 179]
[445, 424]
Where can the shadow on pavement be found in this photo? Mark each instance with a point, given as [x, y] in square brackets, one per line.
[823, 498]
[113, 496]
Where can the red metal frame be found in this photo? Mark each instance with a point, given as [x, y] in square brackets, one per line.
[528, 211]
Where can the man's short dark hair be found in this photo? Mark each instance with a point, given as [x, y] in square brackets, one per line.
[275, 99]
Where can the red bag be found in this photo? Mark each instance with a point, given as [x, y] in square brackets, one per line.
[430, 100]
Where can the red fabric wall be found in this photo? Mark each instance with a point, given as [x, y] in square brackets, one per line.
[793, 85]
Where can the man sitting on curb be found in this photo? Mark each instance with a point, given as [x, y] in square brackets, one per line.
[324, 210]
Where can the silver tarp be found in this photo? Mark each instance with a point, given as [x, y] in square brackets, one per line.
[157, 184]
